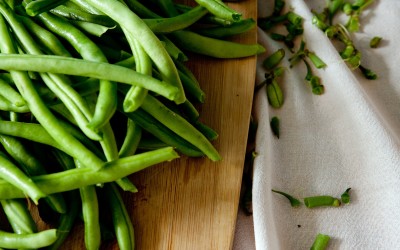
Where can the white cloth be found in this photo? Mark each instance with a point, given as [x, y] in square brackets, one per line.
[347, 137]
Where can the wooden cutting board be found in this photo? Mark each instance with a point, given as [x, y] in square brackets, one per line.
[191, 203]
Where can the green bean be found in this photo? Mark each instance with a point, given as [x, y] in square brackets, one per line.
[168, 25]
[189, 111]
[294, 202]
[106, 104]
[192, 88]
[214, 47]
[323, 200]
[132, 139]
[221, 10]
[45, 37]
[79, 67]
[231, 30]
[90, 212]
[91, 28]
[180, 126]
[6, 105]
[175, 52]
[150, 124]
[151, 143]
[30, 131]
[19, 216]
[122, 224]
[10, 94]
[208, 132]
[80, 15]
[66, 221]
[12, 174]
[321, 242]
[82, 4]
[76, 178]
[36, 7]
[109, 146]
[136, 94]
[31, 240]
[147, 39]
[31, 166]
[140, 9]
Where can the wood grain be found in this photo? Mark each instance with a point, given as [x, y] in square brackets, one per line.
[192, 203]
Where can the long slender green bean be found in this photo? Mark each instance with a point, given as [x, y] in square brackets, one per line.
[31, 240]
[221, 10]
[12, 174]
[168, 25]
[76, 178]
[45, 37]
[180, 126]
[19, 216]
[225, 31]
[79, 67]
[80, 15]
[131, 140]
[122, 223]
[66, 221]
[214, 47]
[151, 44]
[175, 52]
[90, 212]
[11, 94]
[36, 7]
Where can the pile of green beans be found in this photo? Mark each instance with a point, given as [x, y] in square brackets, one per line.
[93, 91]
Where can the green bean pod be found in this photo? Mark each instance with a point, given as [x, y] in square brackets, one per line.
[76, 178]
[221, 10]
[214, 47]
[19, 216]
[323, 200]
[31, 240]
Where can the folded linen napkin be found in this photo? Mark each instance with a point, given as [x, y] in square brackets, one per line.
[347, 137]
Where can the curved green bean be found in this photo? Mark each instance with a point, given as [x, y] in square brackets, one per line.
[180, 126]
[19, 216]
[12, 174]
[215, 47]
[80, 177]
[168, 25]
[131, 140]
[80, 15]
[79, 67]
[221, 10]
[36, 7]
[10, 94]
[90, 212]
[31, 240]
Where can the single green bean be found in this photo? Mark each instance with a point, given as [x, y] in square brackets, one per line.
[19, 216]
[6, 105]
[80, 15]
[136, 94]
[79, 67]
[66, 221]
[36, 7]
[122, 223]
[10, 94]
[31, 240]
[168, 25]
[231, 30]
[208, 132]
[192, 88]
[90, 212]
[76, 178]
[45, 37]
[321, 242]
[91, 28]
[175, 52]
[221, 10]
[180, 126]
[214, 47]
[323, 200]
[83, 5]
[12, 174]
[131, 140]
